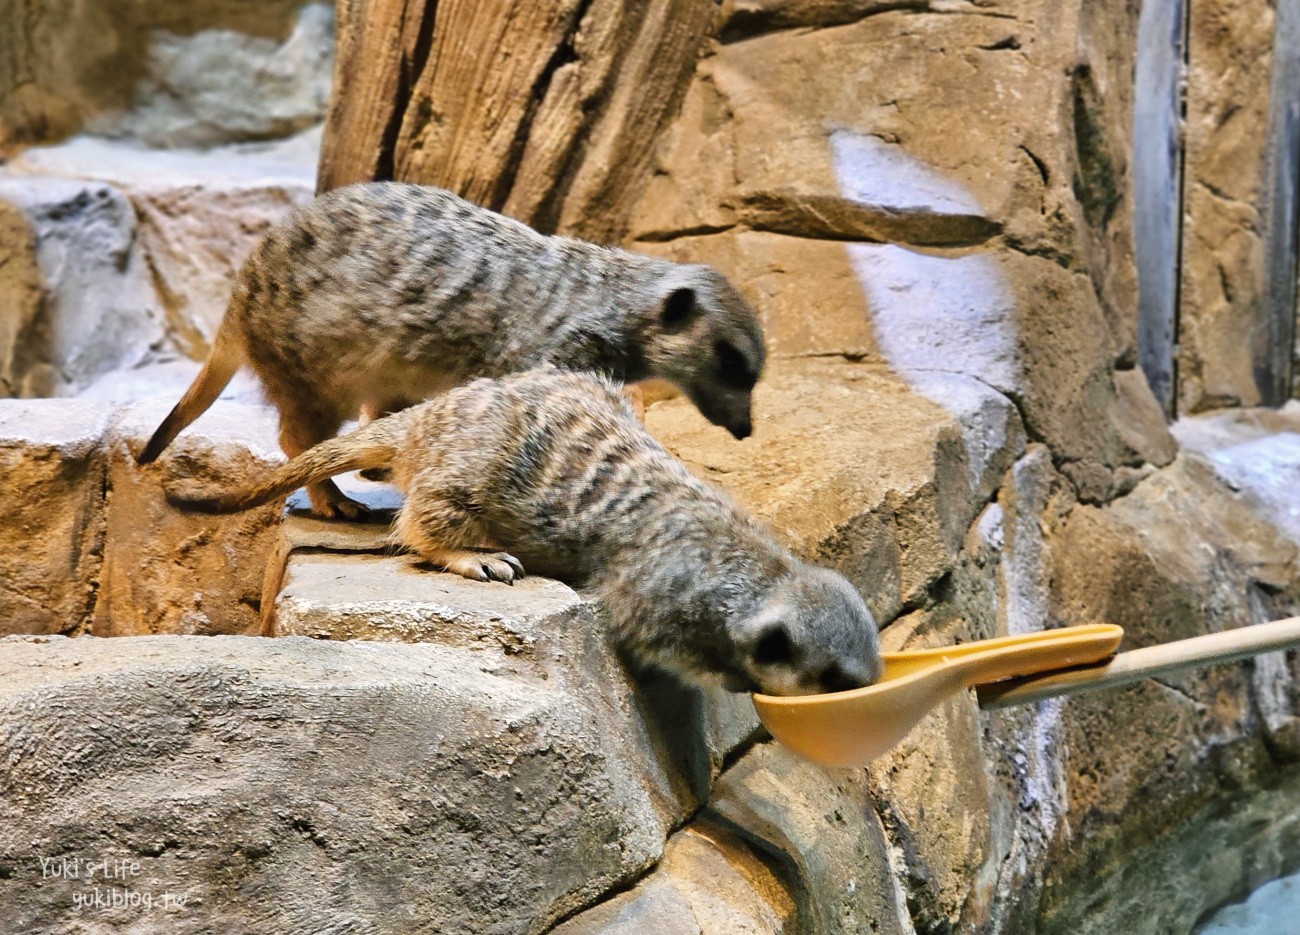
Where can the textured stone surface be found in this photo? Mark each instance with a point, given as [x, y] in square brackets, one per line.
[52, 538]
[78, 299]
[1257, 453]
[342, 597]
[1222, 285]
[822, 827]
[889, 494]
[192, 73]
[199, 215]
[709, 883]
[304, 785]
[91, 546]
[328, 591]
[167, 571]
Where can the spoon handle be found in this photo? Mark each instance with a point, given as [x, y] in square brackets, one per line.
[1139, 664]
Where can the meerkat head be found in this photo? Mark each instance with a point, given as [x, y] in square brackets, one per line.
[812, 633]
[705, 338]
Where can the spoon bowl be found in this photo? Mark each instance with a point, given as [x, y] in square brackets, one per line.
[854, 727]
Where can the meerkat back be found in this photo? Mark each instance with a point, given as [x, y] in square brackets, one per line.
[379, 295]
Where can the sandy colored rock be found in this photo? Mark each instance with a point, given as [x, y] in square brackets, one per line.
[710, 882]
[307, 784]
[887, 499]
[1222, 284]
[54, 467]
[806, 292]
[1021, 325]
[842, 139]
[168, 571]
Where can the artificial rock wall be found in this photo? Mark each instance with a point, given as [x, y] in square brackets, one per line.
[931, 206]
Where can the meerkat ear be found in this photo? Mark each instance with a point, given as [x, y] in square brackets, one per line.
[678, 309]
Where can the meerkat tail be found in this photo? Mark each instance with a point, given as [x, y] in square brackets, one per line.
[218, 370]
[365, 448]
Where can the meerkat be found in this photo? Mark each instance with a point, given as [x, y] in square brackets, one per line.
[379, 295]
[551, 470]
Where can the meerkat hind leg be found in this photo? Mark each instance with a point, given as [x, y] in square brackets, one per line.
[297, 434]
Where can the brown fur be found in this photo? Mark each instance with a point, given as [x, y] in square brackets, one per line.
[379, 295]
[553, 468]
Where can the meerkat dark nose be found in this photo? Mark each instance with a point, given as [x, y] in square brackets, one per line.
[741, 429]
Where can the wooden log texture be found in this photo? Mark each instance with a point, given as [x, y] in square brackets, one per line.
[548, 111]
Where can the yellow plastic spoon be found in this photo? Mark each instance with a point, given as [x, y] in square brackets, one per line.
[853, 727]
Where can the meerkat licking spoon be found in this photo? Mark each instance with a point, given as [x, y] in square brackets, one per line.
[553, 468]
[379, 295]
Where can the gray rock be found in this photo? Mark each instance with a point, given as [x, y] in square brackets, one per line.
[1257, 452]
[192, 73]
[824, 827]
[85, 304]
[200, 214]
[297, 785]
[219, 86]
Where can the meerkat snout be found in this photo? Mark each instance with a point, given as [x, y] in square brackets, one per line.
[709, 343]
[812, 634]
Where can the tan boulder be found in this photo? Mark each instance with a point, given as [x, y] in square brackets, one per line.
[1222, 287]
[710, 882]
[55, 469]
[305, 783]
[169, 571]
[890, 492]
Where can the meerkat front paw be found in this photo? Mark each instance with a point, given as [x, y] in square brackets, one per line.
[482, 566]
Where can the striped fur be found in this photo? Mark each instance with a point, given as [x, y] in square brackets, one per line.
[379, 295]
[554, 468]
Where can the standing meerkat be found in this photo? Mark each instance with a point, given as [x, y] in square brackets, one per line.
[379, 295]
[554, 467]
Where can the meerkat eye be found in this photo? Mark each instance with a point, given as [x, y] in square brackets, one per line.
[678, 309]
[733, 368]
[774, 647]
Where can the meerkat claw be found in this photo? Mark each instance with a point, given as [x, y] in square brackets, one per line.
[477, 566]
[503, 567]
[513, 562]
